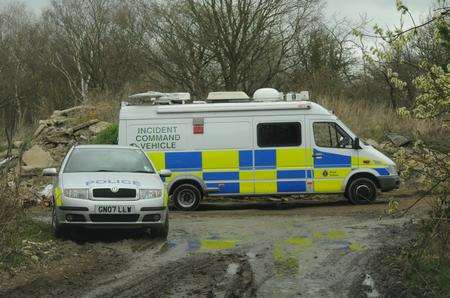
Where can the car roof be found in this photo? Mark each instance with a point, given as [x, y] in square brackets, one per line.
[105, 147]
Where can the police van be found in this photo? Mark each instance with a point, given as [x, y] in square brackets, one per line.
[272, 144]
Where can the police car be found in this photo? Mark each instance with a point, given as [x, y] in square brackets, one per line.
[109, 186]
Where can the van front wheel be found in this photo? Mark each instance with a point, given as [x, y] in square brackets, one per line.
[186, 197]
[362, 191]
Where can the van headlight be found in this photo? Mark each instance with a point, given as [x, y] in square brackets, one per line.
[392, 169]
[76, 193]
[145, 194]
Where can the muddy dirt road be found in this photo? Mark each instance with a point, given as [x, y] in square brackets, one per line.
[264, 249]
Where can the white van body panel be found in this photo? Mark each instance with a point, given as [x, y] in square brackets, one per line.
[216, 146]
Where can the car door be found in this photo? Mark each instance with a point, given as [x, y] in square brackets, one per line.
[280, 155]
[332, 155]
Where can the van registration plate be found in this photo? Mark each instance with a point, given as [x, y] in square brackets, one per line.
[114, 209]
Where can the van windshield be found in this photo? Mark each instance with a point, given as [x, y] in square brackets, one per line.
[108, 160]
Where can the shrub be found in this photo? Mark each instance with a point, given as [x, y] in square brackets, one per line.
[107, 136]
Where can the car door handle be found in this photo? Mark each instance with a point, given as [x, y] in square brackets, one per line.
[318, 156]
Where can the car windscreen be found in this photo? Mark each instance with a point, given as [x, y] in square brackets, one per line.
[108, 160]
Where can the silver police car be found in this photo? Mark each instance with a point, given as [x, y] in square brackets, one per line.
[109, 186]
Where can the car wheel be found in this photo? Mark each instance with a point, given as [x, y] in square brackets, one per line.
[58, 230]
[186, 197]
[162, 231]
[362, 191]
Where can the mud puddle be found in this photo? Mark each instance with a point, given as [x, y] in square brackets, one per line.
[315, 249]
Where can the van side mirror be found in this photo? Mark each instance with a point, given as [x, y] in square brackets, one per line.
[50, 172]
[356, 143]
[165, 173]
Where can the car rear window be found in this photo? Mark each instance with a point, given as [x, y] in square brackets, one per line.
[108, 160]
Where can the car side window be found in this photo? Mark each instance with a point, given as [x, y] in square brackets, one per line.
[281, 134]
[330, 135]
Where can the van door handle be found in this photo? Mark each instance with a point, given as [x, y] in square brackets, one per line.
[318, 156]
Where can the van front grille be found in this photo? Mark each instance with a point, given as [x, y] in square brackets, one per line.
[108, 193]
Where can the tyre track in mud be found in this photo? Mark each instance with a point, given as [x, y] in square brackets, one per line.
[226, 250]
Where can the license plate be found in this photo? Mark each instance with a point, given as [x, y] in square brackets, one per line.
[114, 209]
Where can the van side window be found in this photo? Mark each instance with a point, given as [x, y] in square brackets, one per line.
[281, 134]
[330, 135]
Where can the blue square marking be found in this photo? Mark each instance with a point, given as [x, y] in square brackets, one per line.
[265, 159]
[184, 161]
[245, 159]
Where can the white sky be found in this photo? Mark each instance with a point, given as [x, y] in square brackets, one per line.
[382, 12]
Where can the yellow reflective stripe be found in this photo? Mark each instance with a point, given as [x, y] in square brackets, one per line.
[265, 187]
[266, 175]
[366, 162]
[158, 159]
[220, 160]
[176, 174]
[328, 185]
[331, 173]
[166, 198]
[293, 157]
[58, 196]
[246, 175]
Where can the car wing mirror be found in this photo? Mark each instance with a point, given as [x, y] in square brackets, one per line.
[165, 173]
[50, 172]
[356, 144]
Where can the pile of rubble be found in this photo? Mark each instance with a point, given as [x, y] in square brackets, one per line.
[48, 146]
[56, 135]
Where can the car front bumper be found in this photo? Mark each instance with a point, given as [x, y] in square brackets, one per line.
[388, 183]
[75, 212]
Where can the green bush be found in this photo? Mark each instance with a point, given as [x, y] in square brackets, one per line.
[107, 136]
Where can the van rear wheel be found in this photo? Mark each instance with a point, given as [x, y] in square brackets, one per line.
[186, 197]
[362, 191]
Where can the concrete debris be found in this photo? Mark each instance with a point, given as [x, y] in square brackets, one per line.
[372, 142]
[37, 157]
[39, 130]
[398, 140]
[49, 144]
[69, 112]
[99, 127]
[30, 171]
[47, 191]
[83, 125]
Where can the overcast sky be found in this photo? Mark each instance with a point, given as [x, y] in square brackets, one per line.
[382, 12]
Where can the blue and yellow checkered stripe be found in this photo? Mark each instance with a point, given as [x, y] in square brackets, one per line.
[261, 171]
[242, 171]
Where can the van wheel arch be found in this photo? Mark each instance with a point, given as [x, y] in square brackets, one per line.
[362, 175]
[193, 182]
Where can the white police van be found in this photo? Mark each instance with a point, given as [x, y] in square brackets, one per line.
[272, 144]
[109, 186]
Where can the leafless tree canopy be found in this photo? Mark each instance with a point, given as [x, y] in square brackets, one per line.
[76, 48]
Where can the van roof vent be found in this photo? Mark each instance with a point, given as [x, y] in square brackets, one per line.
[293, 96]
[227, 96]
[267, 94]
[158, 98]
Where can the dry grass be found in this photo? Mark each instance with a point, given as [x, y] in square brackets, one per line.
[371, 120]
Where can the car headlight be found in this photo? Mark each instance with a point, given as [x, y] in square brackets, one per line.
[145, 194]
[392, 169]
[76, 193]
